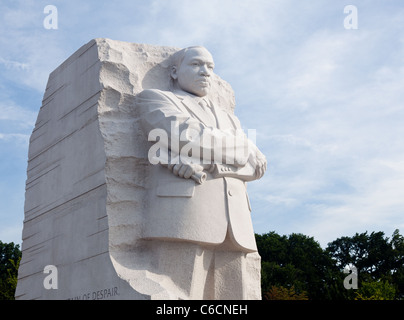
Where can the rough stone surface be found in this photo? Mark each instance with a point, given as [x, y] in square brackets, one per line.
[87, 176]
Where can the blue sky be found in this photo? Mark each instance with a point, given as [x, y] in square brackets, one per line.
[327, 102]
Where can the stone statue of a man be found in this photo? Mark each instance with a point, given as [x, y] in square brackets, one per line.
[197, 208]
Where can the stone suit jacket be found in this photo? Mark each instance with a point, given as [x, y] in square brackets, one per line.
[179, 209]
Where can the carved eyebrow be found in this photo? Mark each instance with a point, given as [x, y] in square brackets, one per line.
[196, 60]
[210, 64]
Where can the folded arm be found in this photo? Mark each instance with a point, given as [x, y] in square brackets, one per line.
[186, 135]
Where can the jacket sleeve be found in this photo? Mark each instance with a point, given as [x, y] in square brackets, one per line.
[186, 134]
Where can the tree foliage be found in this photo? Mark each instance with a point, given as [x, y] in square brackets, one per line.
[377, 258]
[376, 290]
[298, 261]
[281, 293]
[10, 256]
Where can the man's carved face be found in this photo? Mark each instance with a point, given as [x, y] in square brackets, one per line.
[194, 73]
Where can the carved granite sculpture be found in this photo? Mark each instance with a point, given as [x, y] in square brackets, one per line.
[123, 214]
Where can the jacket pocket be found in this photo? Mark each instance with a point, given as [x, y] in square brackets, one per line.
[181, 188]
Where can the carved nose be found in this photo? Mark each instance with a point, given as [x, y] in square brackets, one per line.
[204, 71]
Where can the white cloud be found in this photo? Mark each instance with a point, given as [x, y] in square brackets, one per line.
[16, 124]
[370, 198]
[326, 102]
[15, 65]
[11, 233]
[9, 111]
[29, 51]
[22, 138]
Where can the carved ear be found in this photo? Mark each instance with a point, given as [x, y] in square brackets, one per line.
[173, 72]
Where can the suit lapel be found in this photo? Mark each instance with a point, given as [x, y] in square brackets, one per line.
[195, 109]
[189, 105]
[224, 119]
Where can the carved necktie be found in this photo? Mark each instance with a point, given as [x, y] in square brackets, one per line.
[208, 110]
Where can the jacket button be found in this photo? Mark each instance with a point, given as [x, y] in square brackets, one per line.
[230, 193]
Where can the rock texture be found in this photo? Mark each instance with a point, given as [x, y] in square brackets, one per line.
[87, 176]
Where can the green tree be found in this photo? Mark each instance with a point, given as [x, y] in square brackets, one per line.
[10, 256]
[375, 290]
[370, 254]
[377, 258]
[397, 243]
[281, 293]
[298, 261]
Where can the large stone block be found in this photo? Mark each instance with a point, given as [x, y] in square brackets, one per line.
[87, 176]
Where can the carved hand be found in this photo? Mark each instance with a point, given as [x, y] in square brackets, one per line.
[259, 161]
[184, 170]
[261, 166]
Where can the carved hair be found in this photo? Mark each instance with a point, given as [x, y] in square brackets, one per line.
[178, 57]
